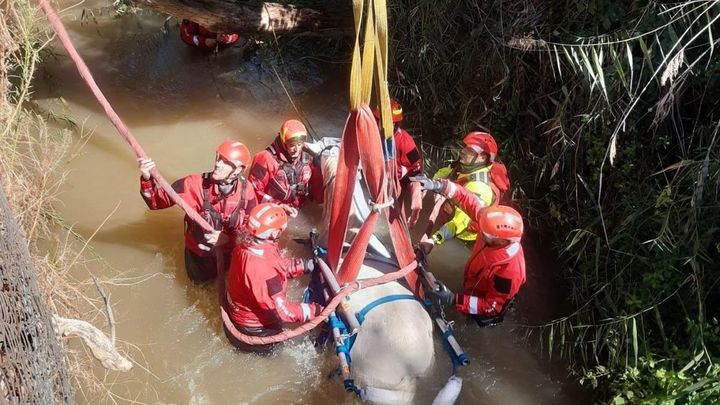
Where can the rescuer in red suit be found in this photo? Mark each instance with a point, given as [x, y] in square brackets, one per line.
[495, 270]
[222, 197]
[281, 173]
[256, 295]
[196, 35]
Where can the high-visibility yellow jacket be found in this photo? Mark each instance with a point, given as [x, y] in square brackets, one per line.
[477, 182]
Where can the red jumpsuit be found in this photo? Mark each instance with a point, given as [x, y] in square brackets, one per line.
[407, 162]
[257, 287]
[278, 180]
[195, 34]
[225, 212]
[493, 275]
[407, 155]
[500, 182]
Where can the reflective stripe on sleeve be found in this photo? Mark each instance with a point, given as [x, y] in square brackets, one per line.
[451, 189]
[306, 311]
[473, 305]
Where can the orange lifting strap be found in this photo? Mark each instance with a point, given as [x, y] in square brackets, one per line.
[361, 145]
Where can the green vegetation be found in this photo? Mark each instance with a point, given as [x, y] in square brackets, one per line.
[608, 116]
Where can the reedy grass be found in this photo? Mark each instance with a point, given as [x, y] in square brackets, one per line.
[35, 146]
[638, 236]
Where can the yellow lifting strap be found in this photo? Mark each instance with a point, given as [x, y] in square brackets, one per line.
[373, 63]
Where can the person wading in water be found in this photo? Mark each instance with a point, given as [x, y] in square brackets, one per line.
[256, 295]
[281, 173]
[495, 270]
[222, 197]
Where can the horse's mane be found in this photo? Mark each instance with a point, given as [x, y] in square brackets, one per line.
[328, 167]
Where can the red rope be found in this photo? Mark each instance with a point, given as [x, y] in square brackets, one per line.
[112, 115]
[311, 324]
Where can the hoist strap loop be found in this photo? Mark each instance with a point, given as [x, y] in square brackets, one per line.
[379, 207]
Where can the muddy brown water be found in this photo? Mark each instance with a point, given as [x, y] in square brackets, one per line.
[180, 104]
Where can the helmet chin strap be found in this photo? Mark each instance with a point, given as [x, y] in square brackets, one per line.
[227, 184]
[473, 165]
[232, 176]
[467, 167]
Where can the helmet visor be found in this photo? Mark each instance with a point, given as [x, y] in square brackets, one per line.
[468, 155]
[296, 140]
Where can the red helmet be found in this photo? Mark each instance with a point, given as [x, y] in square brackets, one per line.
[485, 141]
[235, 153]
[395, 109]
[292, 131]
[490, 141]
[267, 221]
[501, 222]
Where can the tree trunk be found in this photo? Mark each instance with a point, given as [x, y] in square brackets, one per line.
[331, 18]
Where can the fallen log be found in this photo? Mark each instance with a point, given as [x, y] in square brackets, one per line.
[331, 18]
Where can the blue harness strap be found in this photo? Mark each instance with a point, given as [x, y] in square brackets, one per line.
[337, 322]
[455, 360]
[347, 344]
[360, 315]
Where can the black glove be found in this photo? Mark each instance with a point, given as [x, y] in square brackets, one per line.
[310, 266]
[441, 294]
[436, 186]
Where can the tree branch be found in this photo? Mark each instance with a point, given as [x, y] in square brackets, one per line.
[98, 343]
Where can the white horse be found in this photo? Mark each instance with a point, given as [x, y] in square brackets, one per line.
[395, 344]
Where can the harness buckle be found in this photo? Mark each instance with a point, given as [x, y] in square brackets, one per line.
[378, 207]
[348, 335]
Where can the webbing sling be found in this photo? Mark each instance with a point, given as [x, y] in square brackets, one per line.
[361, 145]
